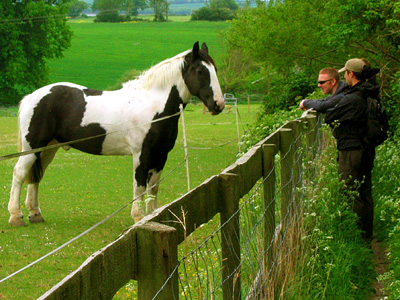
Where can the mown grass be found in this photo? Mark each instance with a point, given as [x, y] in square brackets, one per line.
[101, 53]
[79, 190]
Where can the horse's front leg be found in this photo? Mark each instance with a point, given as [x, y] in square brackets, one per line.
[138, 205]
[153, 183]
[139, 188]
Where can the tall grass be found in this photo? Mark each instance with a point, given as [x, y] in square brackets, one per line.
[335, 263]
[387, 212]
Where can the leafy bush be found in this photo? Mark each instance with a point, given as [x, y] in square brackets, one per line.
[265, 125]
[336, 263]
[111, 17]
[210, 14]
[287, 92]
[386, 190]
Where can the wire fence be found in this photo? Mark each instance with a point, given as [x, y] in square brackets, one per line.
[264, 269]
[262, 264]
[112, 214]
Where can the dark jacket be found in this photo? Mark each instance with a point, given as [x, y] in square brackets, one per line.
[349, 117]
[323, 104]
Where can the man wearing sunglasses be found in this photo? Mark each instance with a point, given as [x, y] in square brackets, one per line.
[330, 84]
[349, 122]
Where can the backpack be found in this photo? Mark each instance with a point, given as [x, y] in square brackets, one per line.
[377, 123]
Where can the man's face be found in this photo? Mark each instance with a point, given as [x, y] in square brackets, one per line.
[325, 83]
[348, 77]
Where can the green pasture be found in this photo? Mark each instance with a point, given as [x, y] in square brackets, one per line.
[101, 53]
[80, 190]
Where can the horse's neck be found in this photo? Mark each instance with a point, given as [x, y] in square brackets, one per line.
[161, 89]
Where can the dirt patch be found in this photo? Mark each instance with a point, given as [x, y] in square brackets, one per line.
[381, 264]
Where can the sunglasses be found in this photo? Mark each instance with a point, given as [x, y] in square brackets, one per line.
[324, 81]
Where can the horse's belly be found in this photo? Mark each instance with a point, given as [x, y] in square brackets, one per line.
[116, 145]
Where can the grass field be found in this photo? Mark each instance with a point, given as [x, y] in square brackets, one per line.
[101, 53]
[79, 190]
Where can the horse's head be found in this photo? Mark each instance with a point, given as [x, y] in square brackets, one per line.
[200, 77]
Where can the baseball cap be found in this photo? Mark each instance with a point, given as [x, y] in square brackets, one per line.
[354, 65]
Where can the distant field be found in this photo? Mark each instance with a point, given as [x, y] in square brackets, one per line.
[101, 53]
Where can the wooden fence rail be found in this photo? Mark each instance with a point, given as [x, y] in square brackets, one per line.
[147, 251]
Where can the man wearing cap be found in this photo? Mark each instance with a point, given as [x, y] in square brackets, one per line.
[349, 120]
[330, 84]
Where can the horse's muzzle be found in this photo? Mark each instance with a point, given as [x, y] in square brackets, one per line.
[217, 107]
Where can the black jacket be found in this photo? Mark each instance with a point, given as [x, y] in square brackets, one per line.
[349, 117]
[323, 104]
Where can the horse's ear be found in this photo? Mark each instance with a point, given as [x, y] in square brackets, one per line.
[196, 50]
[204, 48]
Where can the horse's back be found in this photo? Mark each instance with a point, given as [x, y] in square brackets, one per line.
[56, 112]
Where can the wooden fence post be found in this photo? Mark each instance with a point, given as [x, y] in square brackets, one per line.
[287, 179]
[311, 148]
[157, 258]
[297, 126]
[312, 131]
[269, 176]
[230, 236]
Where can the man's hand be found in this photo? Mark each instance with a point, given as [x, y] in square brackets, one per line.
[302, 107]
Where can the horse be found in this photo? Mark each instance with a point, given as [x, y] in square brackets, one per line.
[140, 120]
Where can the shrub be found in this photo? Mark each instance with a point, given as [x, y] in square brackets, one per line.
[210, 14]
[111, 17]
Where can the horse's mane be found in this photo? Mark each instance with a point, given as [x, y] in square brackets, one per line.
[162, 74]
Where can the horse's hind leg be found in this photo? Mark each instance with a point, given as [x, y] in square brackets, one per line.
[21, 171]
[31, 201]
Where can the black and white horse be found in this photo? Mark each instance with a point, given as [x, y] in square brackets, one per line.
[124, 121]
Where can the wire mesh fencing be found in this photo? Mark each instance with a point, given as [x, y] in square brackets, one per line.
[265, 243]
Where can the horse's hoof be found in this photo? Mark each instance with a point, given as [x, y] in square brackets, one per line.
[17, 221]
[36, 218]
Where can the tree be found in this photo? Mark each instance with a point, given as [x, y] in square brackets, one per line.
[76, 7]
[161, 8]
[300, 37]
[31, 32]
[132, 6]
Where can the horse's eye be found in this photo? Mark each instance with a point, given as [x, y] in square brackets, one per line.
[199, 72]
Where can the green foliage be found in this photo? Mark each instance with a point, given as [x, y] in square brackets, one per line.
[76, 7]
[160, 9]
[265, 125]
[336, 263]
[109, 9]
[111, 16]
[386, 176]
[216, 10]
[209, 14]
[31, 32]
[310, 35]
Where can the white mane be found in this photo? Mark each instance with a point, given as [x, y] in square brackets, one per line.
[164, 74]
